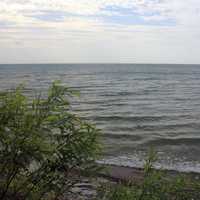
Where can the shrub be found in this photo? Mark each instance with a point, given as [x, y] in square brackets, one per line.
[155, 186]
[44, 148]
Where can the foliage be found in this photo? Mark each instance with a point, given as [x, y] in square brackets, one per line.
[44, 148]
[155, 186]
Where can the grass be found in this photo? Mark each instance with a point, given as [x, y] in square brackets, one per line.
[157, 185]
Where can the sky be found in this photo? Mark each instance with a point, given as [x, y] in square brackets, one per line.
[100, 31]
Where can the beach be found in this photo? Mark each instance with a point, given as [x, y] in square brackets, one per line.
[113, 174]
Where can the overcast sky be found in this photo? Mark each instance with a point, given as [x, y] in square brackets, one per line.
[93, 31]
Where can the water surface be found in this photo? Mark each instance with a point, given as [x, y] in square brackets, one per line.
[136, 106]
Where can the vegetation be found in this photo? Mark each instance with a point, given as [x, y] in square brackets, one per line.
[155, 186]
[44, 148]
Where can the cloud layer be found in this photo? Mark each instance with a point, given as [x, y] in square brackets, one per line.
[100, 31]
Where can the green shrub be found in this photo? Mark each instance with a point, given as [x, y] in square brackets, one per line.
[44, 148]
[155, 186]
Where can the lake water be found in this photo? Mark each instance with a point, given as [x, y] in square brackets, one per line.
[136, 106]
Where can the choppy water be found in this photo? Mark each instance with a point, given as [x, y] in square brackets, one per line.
[136, 106]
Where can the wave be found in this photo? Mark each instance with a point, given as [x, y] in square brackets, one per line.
[122, 136]
[156, 127]
[145, 118]
[171, 141]
[128, 118]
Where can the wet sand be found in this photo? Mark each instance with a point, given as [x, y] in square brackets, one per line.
[131, 174]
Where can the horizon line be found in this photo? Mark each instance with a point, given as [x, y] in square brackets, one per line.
[97, 63]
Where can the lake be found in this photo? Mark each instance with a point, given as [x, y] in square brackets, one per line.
[137, 106]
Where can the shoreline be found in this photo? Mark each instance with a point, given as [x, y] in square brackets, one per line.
[113, 174]
[126, 174]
